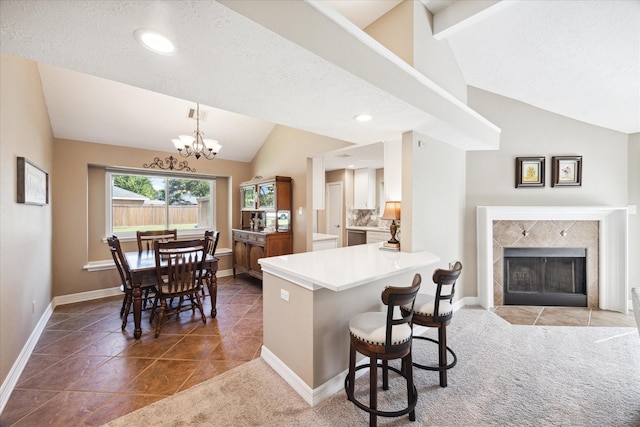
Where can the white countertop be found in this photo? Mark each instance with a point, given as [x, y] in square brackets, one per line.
[361, 228]
[344, 268]
[320, 236]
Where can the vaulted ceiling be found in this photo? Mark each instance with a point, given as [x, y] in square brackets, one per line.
[580, 59]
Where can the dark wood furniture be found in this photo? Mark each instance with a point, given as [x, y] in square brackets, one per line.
[125, 278]
[210, 245]
[436, 312]
[265, 225]
[179, 267]
[211, 241]
[143, 265]
[147, 238]
[381, 336]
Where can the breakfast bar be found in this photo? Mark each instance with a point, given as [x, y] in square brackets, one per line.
[308, 299]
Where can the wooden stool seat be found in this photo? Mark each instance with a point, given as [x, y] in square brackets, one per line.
[436, 312]
[423, 315]
[381, 336]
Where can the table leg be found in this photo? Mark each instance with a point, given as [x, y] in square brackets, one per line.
[137, 311]
[212, 283]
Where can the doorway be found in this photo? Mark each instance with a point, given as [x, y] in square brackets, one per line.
[333, 207]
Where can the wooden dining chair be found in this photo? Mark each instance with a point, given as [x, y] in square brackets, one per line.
[126, 285]
[210, 244]
[147, 238]
[179, 277]
[211, 241]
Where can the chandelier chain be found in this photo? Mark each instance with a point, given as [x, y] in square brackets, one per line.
[197, 145]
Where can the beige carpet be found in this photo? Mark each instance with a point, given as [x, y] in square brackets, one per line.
[506, 376]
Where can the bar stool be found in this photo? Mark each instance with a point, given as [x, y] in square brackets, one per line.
[380, 336]
[436, 312]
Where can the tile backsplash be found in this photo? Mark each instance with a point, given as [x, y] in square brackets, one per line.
[366, 218]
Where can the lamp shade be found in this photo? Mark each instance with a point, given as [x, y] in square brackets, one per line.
[391, 210]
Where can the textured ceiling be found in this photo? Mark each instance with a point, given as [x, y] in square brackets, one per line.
[578, 59]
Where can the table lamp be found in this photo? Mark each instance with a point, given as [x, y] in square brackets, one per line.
[392, 212]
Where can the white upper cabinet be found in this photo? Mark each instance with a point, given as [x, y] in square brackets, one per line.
[364, 188]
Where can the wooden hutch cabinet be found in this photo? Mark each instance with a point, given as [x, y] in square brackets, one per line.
[265, 227]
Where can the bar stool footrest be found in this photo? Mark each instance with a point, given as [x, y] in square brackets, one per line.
[362, 406]
[436, 368]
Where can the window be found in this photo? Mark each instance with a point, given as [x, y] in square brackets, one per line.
[156, 202]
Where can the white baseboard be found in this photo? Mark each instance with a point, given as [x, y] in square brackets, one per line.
[466, 301]
[312, 396]
[288, 375]
[18, 366]
[224, 273]
[86, 296]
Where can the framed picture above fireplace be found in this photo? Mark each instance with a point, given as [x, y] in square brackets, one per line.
[567, 171]
[529, 172]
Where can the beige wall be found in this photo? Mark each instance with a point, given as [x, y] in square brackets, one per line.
[79, 208]
[25, 230]
[285, 153]
[529, 131]
[394, 30]
[406, 30]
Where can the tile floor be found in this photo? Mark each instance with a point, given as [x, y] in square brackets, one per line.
[563, 316]
[85, 371]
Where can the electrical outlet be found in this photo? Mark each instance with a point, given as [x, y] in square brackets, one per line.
[33, 307]
[284, 295]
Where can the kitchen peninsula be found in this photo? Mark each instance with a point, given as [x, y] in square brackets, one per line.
[308, 299]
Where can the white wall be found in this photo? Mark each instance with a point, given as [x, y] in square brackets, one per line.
[434, 58]
[433, 197]
[634, 220]
[529, 131]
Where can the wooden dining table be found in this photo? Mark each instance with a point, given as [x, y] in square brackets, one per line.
[143, 265]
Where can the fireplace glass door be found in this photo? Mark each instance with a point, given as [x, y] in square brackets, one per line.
[545, 276]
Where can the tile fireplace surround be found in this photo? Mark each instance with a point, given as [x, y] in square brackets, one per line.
[601, 229]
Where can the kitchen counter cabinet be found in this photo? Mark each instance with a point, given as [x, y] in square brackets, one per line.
[376, 236]
[250, 246]
[308, 300]
[324, 241]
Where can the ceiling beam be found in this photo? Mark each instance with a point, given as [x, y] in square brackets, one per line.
[327, 34]
[463, 14]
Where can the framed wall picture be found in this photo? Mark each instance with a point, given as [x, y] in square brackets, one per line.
[567, 171]
[529, 172]
[33, 183]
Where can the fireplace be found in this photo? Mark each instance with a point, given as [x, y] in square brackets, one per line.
[556, 226]
[545, 276]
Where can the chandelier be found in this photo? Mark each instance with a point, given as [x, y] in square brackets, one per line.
[197, 145]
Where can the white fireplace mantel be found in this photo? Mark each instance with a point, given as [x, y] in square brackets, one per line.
[613, 259]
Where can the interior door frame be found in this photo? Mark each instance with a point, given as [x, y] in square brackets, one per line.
[340, 209]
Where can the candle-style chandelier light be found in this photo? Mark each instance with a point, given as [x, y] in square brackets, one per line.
[197, 145]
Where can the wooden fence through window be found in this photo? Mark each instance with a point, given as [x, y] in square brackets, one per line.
[139, 216]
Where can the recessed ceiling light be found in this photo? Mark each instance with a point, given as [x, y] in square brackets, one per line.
[363, 117]
[155, 42]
